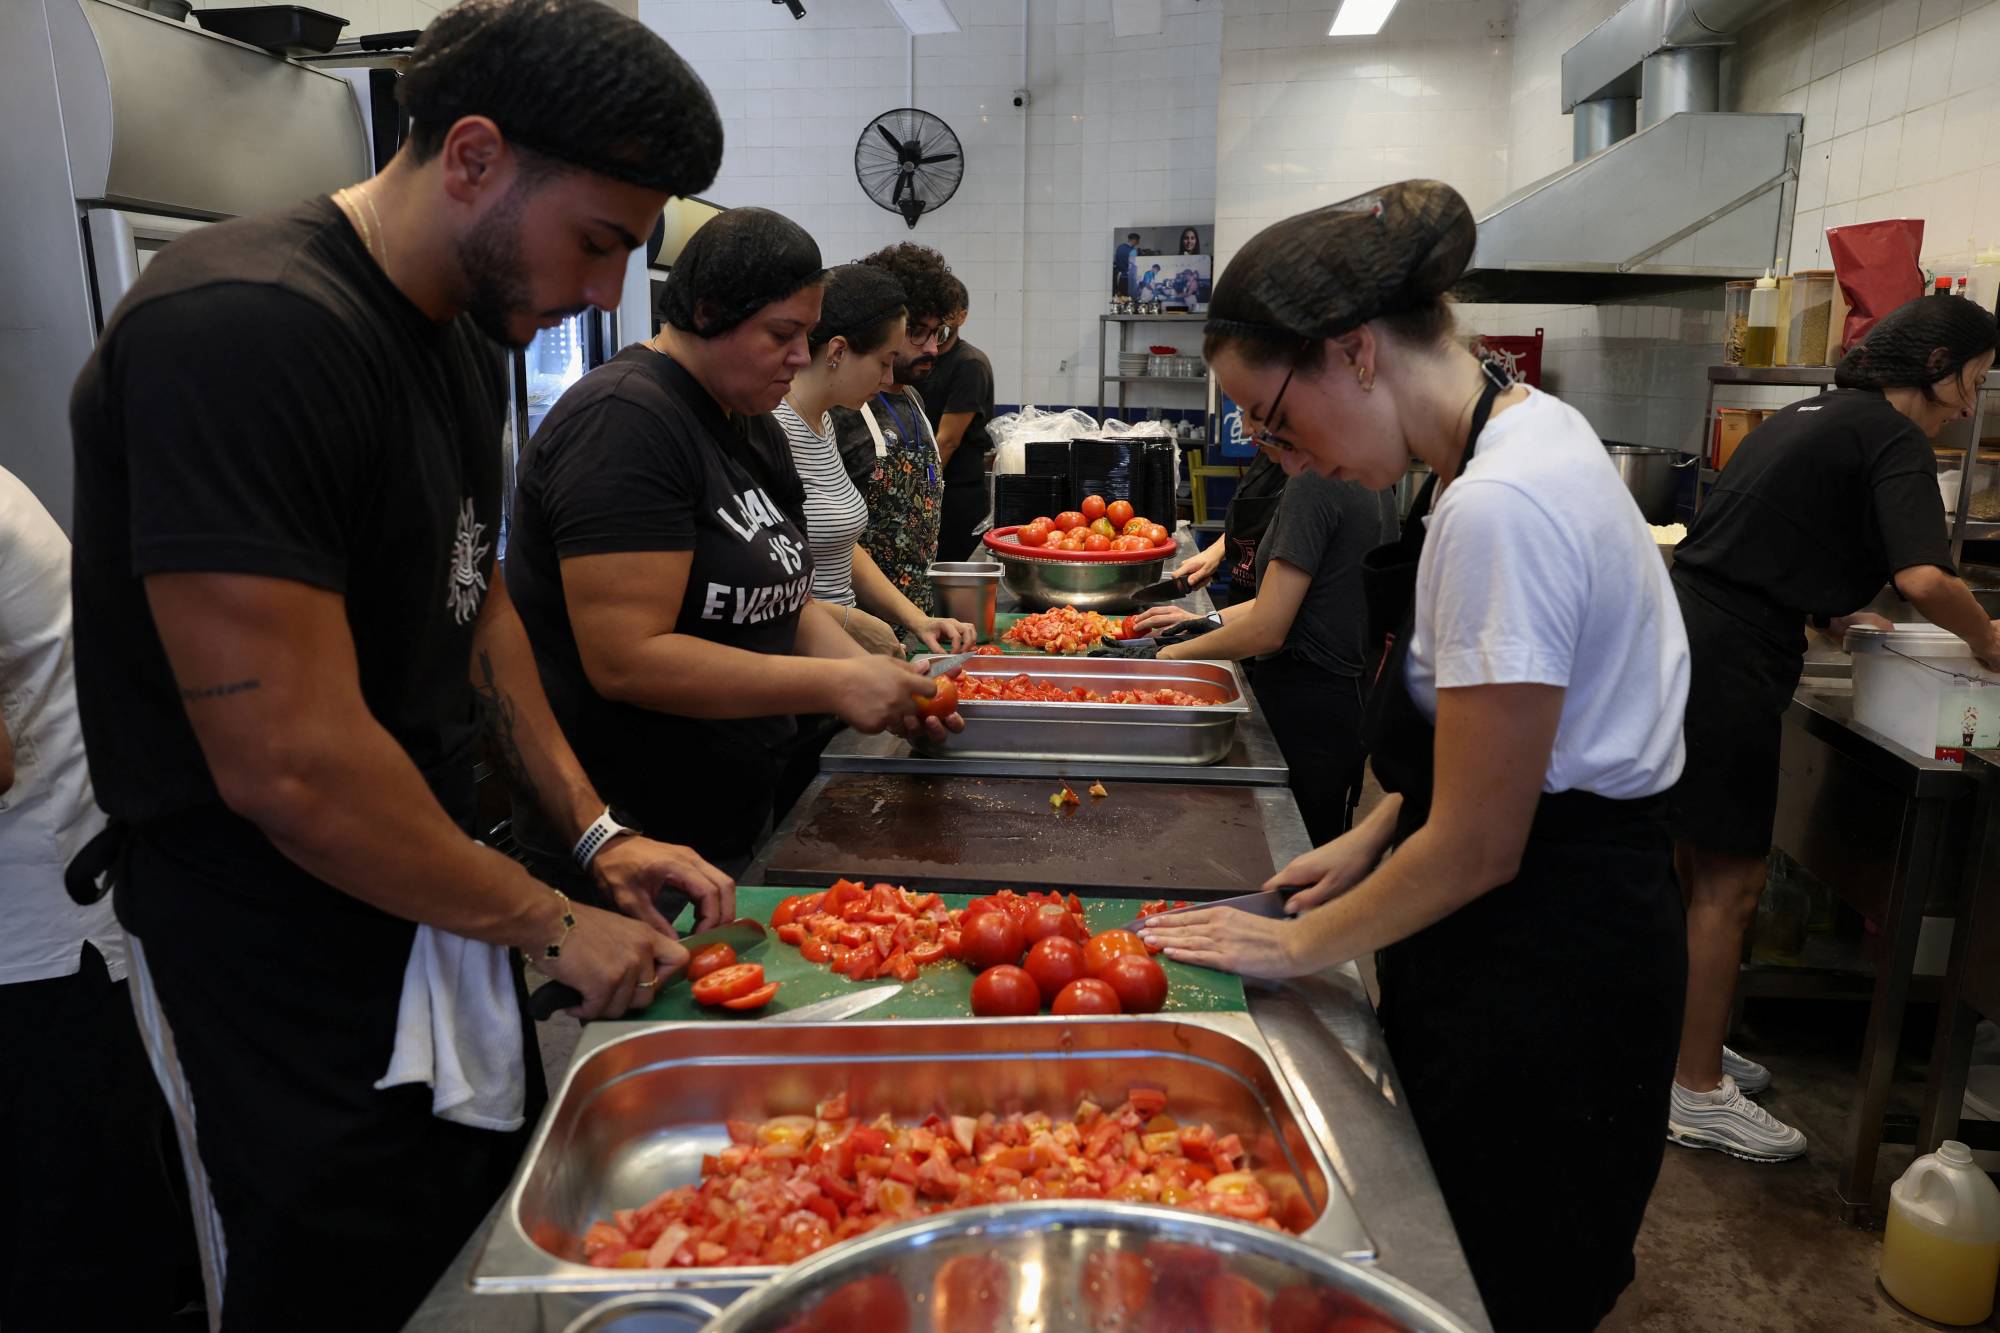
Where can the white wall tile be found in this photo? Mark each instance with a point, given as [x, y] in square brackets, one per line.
[1930, 69]
[1899, 21]
[1879, 161]
[1890, 89]
[1857, 86]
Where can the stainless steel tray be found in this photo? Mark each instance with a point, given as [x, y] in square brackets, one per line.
[642, 1103]
[1108, 733]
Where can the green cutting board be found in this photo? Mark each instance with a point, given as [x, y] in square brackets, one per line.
[942, 990]
[1006, 621]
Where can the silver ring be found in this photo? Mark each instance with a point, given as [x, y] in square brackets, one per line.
[648, 985]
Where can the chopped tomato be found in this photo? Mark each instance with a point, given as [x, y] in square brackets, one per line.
[792, 933]
[900, 966]
[727, 984]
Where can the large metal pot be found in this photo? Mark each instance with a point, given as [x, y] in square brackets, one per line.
[1071, 1265]
[1652, 475]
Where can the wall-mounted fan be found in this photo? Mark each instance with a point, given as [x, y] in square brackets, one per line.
[909, 162]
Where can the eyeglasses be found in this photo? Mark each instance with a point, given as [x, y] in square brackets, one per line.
[924, 335]
[1264, 439]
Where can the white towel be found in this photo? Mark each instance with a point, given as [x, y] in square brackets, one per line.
[459, 1030]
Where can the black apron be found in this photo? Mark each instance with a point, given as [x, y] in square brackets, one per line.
[1248, 518]
[1535, 1029]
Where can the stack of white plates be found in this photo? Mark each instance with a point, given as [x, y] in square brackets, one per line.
[1133, 363]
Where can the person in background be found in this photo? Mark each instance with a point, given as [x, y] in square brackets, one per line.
[660, 560]
[1825, 503]
[1527, 725]
[958, 396]
[1190, 241]
[1121, 264]
[288, 633]
[854, 345]
[1149, 284]
[1251, 508]
[82, 1123]
[888, 445]
[1301, 636]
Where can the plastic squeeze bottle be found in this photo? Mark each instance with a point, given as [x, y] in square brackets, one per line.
[1760, 339]
[1941, 1248]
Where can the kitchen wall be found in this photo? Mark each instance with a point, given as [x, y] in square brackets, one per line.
[1306, 120]
[1120, 131]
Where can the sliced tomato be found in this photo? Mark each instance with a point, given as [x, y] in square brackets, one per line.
[755, 999]
[924, 954]
[900, 966]
[1148, 1102]
[792, 933]
[725, 985]
[814, 949]
[786, 911]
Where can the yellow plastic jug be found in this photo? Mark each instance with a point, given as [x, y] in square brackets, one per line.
[1941, 1249]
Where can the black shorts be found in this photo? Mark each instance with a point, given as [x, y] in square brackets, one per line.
[1740, 683]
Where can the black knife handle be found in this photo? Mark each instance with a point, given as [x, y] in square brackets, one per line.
[551, 998]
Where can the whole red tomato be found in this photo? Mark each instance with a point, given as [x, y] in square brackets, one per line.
[1304, 1309]
[1005, 991]
[1102, 527]
[1134, 527]
[941, 704]
[874, 1303]
[1097, 541]
[991, 938]
[712, 959]
[1232, 1304]
[1046, 920]
[1140, 982]
[1086, 995]
[1056, 961]
[1092, 506]
[1156, 534]
[1069, 518]
[1107, 945]
[1119, 512]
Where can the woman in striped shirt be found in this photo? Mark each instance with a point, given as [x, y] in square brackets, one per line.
[861, 324]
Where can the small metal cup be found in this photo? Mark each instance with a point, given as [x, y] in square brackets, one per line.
[970, 590]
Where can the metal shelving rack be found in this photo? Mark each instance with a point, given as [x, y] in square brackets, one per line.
[1770, 387]
[1105, 402]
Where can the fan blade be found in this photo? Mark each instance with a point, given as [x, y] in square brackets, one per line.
[894, 142]
[937, 157]
[902, 184]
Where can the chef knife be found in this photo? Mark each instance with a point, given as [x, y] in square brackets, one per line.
[1266, 902]
[741, 935]
[950, 662]
[839, 1007]
[1166, 590]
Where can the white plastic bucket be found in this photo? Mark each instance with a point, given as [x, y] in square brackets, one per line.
[1922, 688]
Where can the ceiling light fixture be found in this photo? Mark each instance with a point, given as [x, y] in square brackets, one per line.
[1360, 18]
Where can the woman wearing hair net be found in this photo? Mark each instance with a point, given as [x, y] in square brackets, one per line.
[1823, 504]
[1526, 721]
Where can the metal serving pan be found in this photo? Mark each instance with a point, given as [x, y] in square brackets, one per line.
[1106, 733]
[642, 1103]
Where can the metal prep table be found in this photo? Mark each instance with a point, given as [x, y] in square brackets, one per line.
[1972, 977]
[1886, 830]
[1326, 1039]
[1254, 760]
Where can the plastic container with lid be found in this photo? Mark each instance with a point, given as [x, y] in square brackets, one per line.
[1735, 321]
[1808, 318]
[1921, 687]
[1941, 1247]
[1760, 337]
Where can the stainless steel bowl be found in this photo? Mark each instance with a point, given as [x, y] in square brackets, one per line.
[1074, 1265]
[1652, 475]
[1040, 583]
[646, 1312]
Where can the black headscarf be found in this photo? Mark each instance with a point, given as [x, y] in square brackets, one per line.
[1320, 274]
[734, 265]
[1919, 343]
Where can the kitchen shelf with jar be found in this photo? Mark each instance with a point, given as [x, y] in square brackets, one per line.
[1141, 366]
[1740, 396]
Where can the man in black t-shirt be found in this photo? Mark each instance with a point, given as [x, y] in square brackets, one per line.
[958, 397]
[289, 633]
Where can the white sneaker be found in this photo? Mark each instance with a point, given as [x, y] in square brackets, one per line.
[1750, 1076]
[1727, 1121]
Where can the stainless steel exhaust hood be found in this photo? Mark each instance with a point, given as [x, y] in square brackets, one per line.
[1666, 192]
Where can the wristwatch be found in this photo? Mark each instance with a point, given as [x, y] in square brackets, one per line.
[602, 830]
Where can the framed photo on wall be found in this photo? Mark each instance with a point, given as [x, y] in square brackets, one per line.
[1172, 250]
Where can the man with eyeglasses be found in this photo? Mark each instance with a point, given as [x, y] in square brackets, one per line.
[889, 446]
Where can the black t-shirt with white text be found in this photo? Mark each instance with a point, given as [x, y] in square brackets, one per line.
[1821, 506]
[266, 402]
[637, 457]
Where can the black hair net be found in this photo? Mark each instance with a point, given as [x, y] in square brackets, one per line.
[1919, 343]
[859, 299]
[734, 265]
[573, 80]
[1319, 274]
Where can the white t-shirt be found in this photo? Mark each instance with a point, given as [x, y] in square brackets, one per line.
[1539, 569]
[835, 511]
[49, 812]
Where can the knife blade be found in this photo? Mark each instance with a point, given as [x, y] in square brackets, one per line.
[1166, 590]
[945, 665]
[742, 935]
[839, 1007]
[1265, 902]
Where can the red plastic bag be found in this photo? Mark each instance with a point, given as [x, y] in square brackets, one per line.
[1876, 266]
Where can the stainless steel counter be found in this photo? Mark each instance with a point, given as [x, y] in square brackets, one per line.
[1324, 1033]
